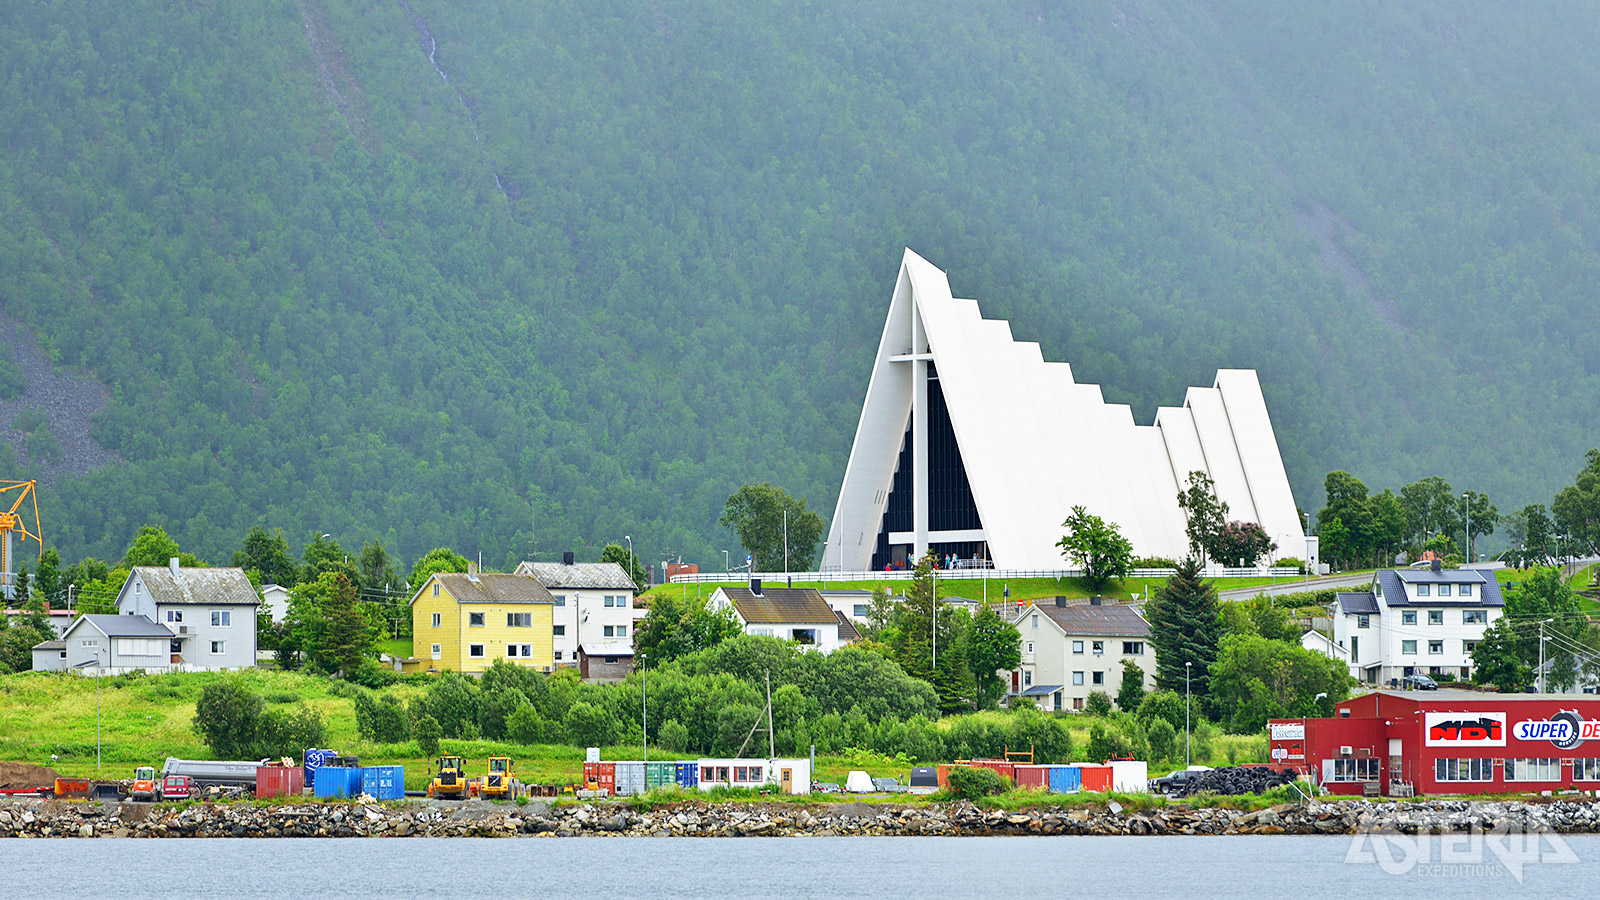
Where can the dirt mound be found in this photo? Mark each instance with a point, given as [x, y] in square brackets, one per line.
[20, 776]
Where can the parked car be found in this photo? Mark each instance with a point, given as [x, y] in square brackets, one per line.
[1173, 783]
[889, 786]
[1419, 683]
[826, 787]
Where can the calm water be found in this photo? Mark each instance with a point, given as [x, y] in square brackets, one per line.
[1306, 868]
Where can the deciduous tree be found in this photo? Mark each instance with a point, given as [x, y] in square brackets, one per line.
[756, 513]
[1095, 546]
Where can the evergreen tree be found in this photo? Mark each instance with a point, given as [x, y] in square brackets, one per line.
[942, 663]
[1131, 692]
[267, 552]
[1185, 628]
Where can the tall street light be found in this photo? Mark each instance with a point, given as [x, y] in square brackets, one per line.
[644, 707]
[1466, 507]
[725, 563]
[1186, 730]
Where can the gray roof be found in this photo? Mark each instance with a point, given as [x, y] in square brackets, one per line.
[200, 586]
[124, 626]
[1358, 604]
[579, 576]
[50, 645]
[491, 587]
[847, 629]
[788, 606]
[1040, 690]
[606, 648]
[1486, 587]
[1121, 620]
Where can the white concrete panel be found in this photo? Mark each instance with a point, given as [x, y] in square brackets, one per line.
[1258, 454]
[1222, 454]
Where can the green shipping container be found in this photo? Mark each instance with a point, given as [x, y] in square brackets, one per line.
[660, 774]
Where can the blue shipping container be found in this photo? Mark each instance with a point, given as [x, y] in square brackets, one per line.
[1066, 779]
[337, 782]
[384, 782]
[689, 774]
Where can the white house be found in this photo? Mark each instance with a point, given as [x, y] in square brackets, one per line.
[1070, 650]
[796, 614]
[1416, 621]
[209, 613]
[1317, 642]
[971, 443]
[109, 642]
[594, 603]
[275, 598]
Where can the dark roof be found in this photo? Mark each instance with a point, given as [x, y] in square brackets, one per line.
[1486, 592]
[1119, 619]
[1358, 604]
[493, 587]
[199, 585]
[579, 576]
[1040, 690]
[801, 606]
[847, 629]
[126, 626]
[50, 645]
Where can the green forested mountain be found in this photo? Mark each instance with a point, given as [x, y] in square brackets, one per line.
[492, 275]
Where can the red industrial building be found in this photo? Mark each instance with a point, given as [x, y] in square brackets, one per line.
[1446, 742]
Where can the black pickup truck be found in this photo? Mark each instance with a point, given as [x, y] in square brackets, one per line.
[1173, 783]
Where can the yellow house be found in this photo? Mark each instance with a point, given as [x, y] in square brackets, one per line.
[464, 623]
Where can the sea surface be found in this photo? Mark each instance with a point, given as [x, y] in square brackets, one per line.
[1016, 868]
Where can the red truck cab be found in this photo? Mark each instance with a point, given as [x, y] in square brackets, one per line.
[177, 787]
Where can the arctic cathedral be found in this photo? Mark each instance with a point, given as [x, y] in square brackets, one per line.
[971, 444]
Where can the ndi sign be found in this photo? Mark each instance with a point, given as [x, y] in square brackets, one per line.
[1461, 729]
[1564, 729]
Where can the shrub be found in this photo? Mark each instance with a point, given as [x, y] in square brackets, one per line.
[452, 701]
[494, 708]
[282, 697]
[381, 719]
[428, 733]
[1162, 705]
[587, 725]
[228, 718]
[972, 782]
[1154, 562]
[673, 736]
[1106, 741]
[286, 732]
[526, 727]
[1098, 704]
[1163, 740]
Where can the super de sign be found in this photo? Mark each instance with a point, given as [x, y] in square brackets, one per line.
[1564, 729]
[1463, 729]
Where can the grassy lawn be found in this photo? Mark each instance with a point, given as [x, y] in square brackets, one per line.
[146, 719]
[399, 648]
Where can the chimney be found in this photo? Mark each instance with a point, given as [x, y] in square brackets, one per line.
[1061, 602]
[566, 558]
[755, 586]
[1436, 566]
[472, 569]
[1095, 600]
[173, 565]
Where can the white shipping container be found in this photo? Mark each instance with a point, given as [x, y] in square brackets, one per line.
[1130, 776]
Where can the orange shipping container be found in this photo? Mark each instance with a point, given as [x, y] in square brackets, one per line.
[279, 781]
[1006, 770]
[944, 776]
[1095, 777]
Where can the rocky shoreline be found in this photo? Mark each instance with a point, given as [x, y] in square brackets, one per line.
[51, 818]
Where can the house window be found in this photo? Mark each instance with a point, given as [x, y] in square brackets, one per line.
[1422, 590]
[1538, 769]
[436, 588]
[608, 631]
[611, 659]
[1077, 646]
[1098, 647]
[475, 651]
[1030, 646]
[1409, 648]
[558, 656]
[1464, 590]
[1354, 770]
[1474, 617]
[523, 650]
[608, 602]
[560, 630]
[1035, 620]
[1468, 646]
[1027, 679]
[1435, 617]
[1363, 621]
[1133, 648]
[1463, 770]
[1355, 648]
[1409, 617]
[519, 620]
[218, 648]
[1077, 678]
[174, 615]
[475, 619]
[437, 619]
[1099, 677]
[1077, 703]
[1444, 590]
[561, 600]
[63, 654]
[1435, 647]
[861, 610]
[221, 618]
[438, 651]
[622, 602]
[622, 631]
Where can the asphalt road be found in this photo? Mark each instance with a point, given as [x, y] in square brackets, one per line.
[1297, 586]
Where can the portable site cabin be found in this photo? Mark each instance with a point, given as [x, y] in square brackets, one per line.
[790, 776]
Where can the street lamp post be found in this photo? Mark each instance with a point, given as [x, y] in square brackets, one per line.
[97, 668]
[1542, 623]
[644, 705]
[1186, 730]
[1466, 509]
[725, 564]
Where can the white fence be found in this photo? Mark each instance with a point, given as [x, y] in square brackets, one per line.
[780, 578]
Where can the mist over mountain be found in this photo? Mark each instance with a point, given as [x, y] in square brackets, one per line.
[514, 277]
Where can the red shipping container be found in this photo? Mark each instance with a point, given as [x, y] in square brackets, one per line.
[1035, 778]
[600, 776]
[279, 781]
[1006, 770]
[1096, 778]
[944, 776]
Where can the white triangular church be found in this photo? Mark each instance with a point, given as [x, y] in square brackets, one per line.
[971, 444]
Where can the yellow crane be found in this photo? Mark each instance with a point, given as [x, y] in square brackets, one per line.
[11, 523]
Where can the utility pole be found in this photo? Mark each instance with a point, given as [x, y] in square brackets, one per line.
[772, 742]
[644, 706]
[1187, 666]
[1466, 508]
[1541, 654]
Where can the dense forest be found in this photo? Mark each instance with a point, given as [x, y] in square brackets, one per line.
[530, 277]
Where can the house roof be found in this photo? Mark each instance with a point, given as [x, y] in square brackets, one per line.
[1358, 604]
[50, 645]
[1040, 690]
[847, 629]
[223, 585]
[1121, 620]
[1485, 593]
[123, 626]
[492, 587]
[606, 648]
[798, 606]
[579, 576]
